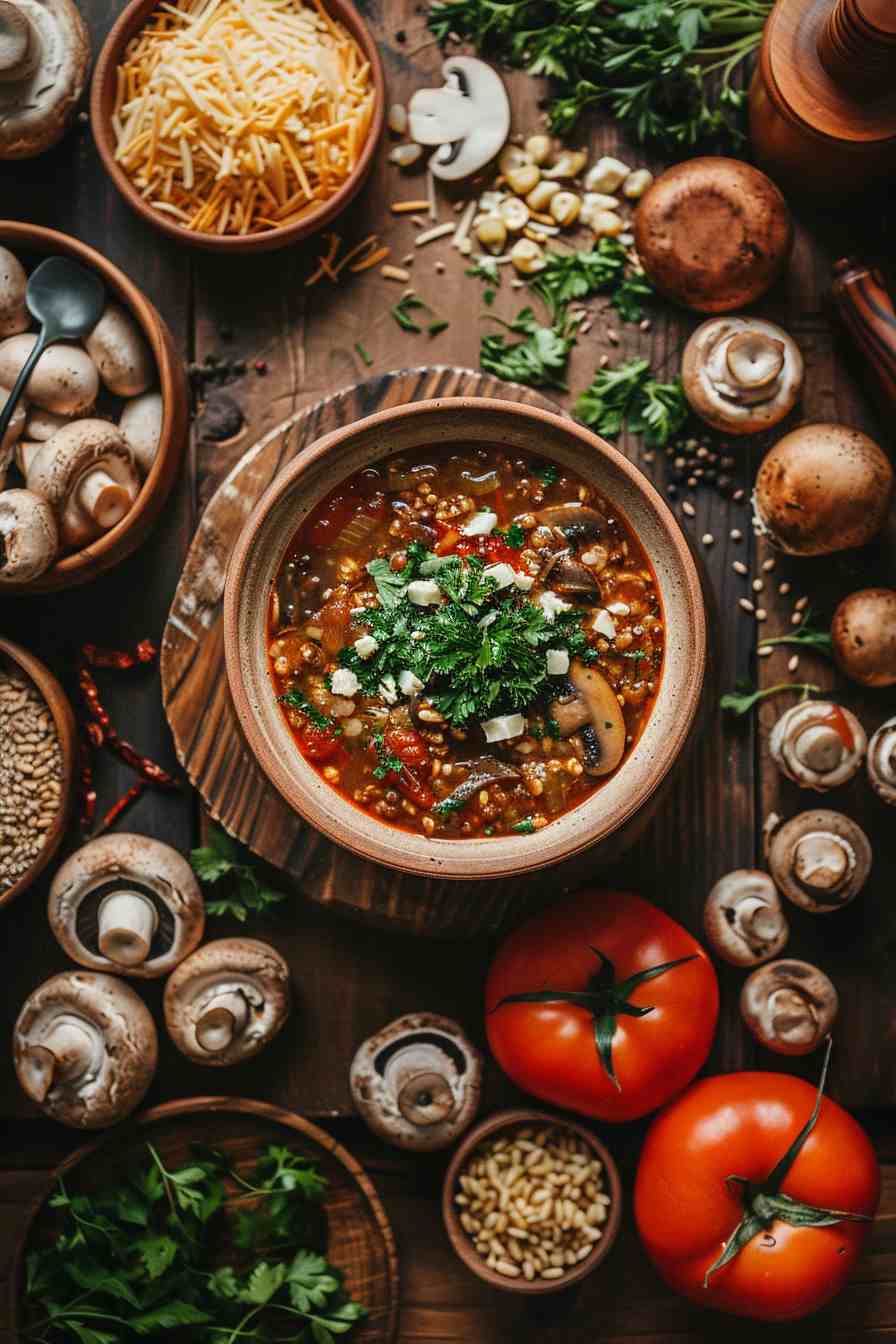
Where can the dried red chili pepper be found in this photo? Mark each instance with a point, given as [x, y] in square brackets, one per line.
[124, 802]
[119, 659]
[101, 732]
[145, 767]
[86, 791]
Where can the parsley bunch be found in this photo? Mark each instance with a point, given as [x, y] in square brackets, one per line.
[136, 1260]
[539, 360]
[649, 62]
[629, 397]
[568, 276]
[243, 890]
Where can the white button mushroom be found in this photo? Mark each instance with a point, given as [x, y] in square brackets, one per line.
[743, 918]
[41, 425]
[141, 424]
[65, 379]
[126, 903]
[818, 745]
[820, 860]
[85, 1049]
[789, 1006]
[417, 1082]
[227, 1001]
[87, 473]
[14, 429]
[741, 374]
[881, 762]
[29, 539]
[44, 58]
[122, 357]
[468, 118]
[13, 280]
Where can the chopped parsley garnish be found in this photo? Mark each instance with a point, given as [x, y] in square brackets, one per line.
[513, 536]
[634, 655]
[629, 397]
[449, 805]
[525, 827]
[539, 360]
[296, 700]
[364, 353]
[548, 474]
[568, 276]
[487, 269]
[387, 763]
[412, 303]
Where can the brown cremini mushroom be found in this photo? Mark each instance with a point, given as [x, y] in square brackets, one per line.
[85, 1049]
[227, 1000]
[588, 706]
[743, 918]
[881, 762]
[789, 1006]
[822, 488]
[818, 745]
[87, 473]
[13, 280]
[713, 234]
[819, 860]
[417, 1082]
[863, 634]
[44, 57]
[29, 539]
[127, 903]
[741, 374]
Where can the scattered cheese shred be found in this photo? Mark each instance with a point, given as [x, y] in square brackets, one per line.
[240, 116]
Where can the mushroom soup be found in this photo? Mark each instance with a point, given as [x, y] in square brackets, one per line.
[465, 643]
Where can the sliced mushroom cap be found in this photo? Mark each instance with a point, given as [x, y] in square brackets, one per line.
[789, 1006]
[417, 1082]
[818, 745]
[571, 578]
[468, 118]
[576, 522]
[486, 770]
[743, 918]
[863, 633]
[589, 706]
[13, 280]
[44, 57]
[85, 1049]
[881, 762]
[822, 488]
[87, 472]
[713, 234]
[29, 539]
[820, 860]
[227, 1001]
[741, 374]
[127, 903]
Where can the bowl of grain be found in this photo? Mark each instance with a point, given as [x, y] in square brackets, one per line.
[238, 127]
[37, 764]
[532, 1201]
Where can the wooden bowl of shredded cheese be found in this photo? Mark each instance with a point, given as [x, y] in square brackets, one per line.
[238, 125]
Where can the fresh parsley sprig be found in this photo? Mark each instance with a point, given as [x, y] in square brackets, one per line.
[571, 276]
[745, 695]
[629, 397]
[539, 360]
[806, 635]
[244, 892]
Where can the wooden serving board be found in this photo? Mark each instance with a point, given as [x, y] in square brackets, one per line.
[207, 736]
[356, 1234]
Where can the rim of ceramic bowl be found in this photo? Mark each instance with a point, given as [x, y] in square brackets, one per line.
[124, 538]
[319, 469]
[102, 98]
[460, 1240]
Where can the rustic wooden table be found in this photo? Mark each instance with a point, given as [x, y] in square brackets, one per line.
[351, 978]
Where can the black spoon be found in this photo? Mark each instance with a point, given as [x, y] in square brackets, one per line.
[68, 301]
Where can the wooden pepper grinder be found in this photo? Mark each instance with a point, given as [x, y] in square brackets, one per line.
[866, 308]
[823, 98]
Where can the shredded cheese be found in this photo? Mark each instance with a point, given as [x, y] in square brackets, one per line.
[241, 116]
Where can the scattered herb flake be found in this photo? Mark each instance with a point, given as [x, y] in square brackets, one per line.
[525, 827]
[365, 355]
[742, 699]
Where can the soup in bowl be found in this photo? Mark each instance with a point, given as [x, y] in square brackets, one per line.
[464, 637]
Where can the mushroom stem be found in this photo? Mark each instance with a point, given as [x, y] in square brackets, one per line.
[223, 1020]
[103, 498]
[426, 1099]
[127, 922]
[823, 861]
[754, 359]
[67, 1053]
[757, 921]
[17, 43]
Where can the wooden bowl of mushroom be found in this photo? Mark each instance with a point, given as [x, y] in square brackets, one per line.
[95, 444]
[309, 104]
[566, 1205]
[464, 638]
[38, 744]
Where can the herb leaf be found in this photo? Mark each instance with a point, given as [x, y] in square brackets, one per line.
[537, 361]
[245, 893]
[742, 699]
[629, 397]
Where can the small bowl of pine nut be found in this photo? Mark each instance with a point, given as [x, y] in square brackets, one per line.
[532, 1201]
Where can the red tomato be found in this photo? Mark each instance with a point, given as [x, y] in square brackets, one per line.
[548, 1047]
[412, 751]
[407, 745]
[742, 1124]
[318, 744]
[493, 550]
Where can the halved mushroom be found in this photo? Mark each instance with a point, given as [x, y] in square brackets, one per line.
[127, 903]
[486, 770]
[13, 280]
[87, 473]
[743, 918]
[576, 522]
[818, 745]
[141, 424]
[588, 706]
[44, 57]
[789, 1006]
[863, 634]
[227, 1000]
[820, 860]
[417, 1082]
[85, 1049]
[881, 762]
[570, 577]
[118, 349]
[29, 539]
[822, 488]
[65, 379]
[713, 234]
[741, 374]
[468, 118]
